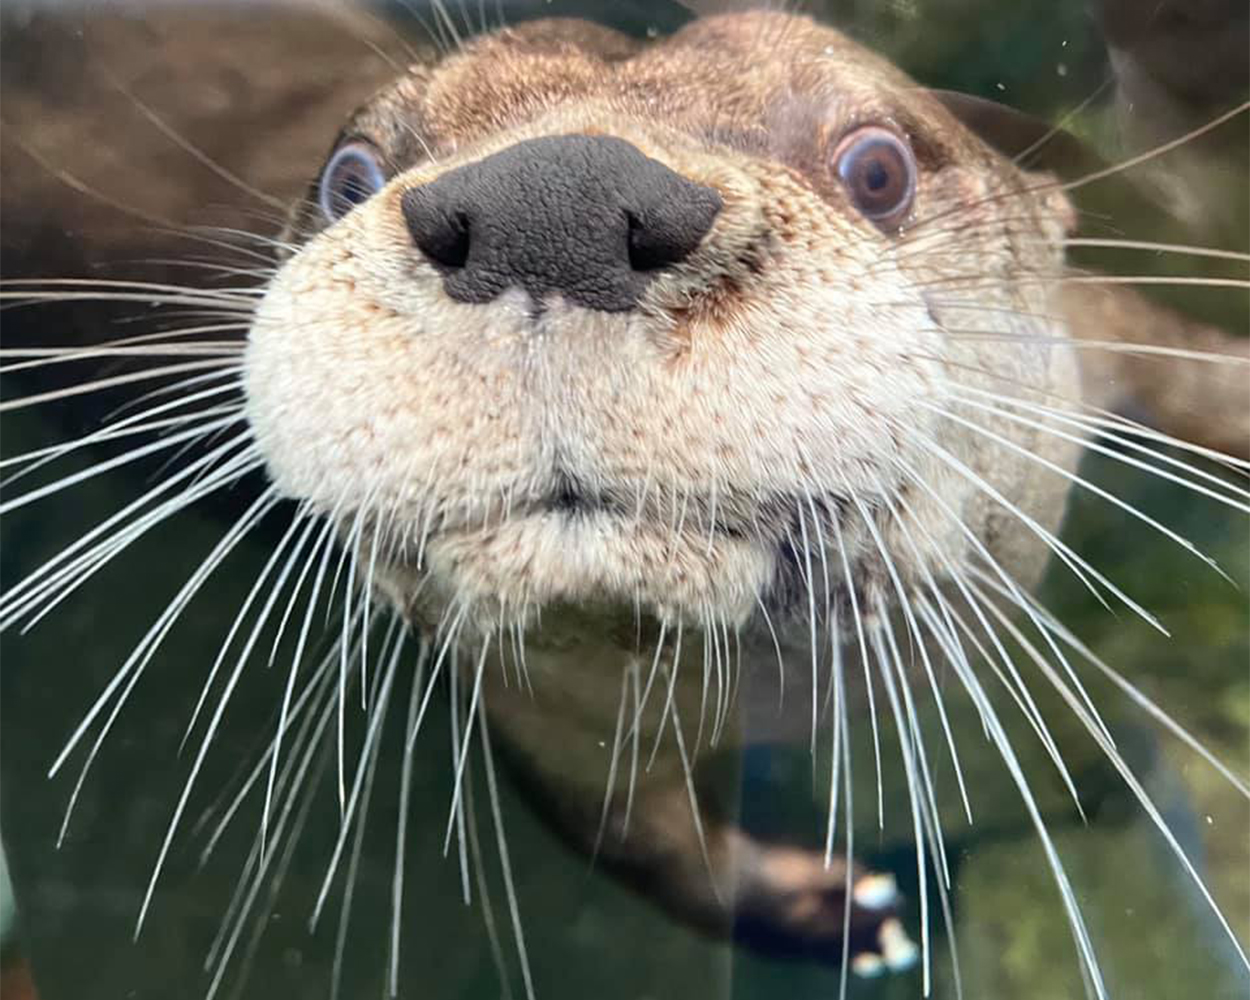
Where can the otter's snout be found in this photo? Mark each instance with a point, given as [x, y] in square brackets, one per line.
[589, 217]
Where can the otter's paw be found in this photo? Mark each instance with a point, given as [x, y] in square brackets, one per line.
[793, 903]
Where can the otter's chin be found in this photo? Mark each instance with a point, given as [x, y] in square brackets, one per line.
[507, 573]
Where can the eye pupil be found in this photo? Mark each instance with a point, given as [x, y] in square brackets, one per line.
[878, 171]
[876, 176]
[352, 177]
[353, 190]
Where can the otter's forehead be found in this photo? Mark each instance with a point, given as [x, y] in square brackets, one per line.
[746, 79]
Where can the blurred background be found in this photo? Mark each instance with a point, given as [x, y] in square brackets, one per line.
[125, 124]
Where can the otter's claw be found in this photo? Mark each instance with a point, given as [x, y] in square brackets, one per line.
[898, 952]
[868, 965]
[876, 892]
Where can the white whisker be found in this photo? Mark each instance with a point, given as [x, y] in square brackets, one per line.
[215, 721]
[370, 760]
[133, 668]
[849, 582]
[71, 567]
[504, 862]
[372, 732]
[1109, 497]
[1126, 773]
[131, 456]
[324, 543]
[1089, 961]
[617, 739]
[401, 828]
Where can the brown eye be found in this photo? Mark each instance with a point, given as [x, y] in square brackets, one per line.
[353, 175]
[878, 170]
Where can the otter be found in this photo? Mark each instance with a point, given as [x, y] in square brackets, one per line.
[678, 397]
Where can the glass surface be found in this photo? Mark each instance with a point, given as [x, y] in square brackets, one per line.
[126, 125]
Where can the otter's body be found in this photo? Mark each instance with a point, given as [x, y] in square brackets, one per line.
[738, 462]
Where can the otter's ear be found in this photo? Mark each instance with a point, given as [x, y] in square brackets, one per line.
[1119, 200]
[1039, 145]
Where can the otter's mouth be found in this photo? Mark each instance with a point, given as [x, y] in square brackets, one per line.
[689, 555]
[570, 497]
[775, 518]
[703, 510]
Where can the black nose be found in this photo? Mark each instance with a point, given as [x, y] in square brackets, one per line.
[589, 217]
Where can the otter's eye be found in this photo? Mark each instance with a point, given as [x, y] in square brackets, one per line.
[352, 176]
[878, 170]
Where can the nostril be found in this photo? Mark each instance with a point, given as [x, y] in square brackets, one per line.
[672, 228]
[646, 252]
[442, 234]
[450, 244]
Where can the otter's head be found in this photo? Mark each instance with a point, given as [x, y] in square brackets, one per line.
[683, 326]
